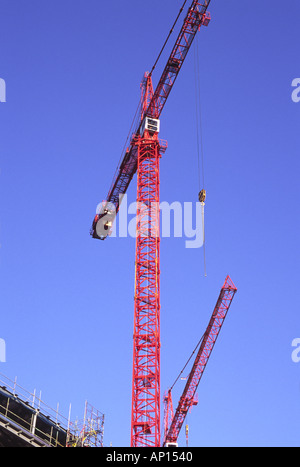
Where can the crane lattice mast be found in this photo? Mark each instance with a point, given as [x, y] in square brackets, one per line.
[145, 424]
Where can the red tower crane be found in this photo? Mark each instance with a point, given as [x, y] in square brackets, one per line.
[187, 400]
[143, 157]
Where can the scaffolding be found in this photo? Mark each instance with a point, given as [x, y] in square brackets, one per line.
[25, 420]
[88, 432]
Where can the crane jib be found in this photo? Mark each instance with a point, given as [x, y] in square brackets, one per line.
[187, 400]
[196, 17]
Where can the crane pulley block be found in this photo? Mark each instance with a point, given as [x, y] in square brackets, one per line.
[202, 196]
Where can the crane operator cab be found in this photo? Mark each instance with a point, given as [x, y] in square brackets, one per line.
[150, 124]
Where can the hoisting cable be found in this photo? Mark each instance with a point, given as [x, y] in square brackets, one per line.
[167, 40]
[200, 148]
[202, 198]
[194, 351]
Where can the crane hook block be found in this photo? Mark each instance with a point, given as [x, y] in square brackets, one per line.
[202, 196]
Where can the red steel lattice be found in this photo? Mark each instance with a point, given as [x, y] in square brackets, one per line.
[145, 425]
[208, 342]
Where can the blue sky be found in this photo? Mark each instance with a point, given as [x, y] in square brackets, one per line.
[73, 71]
